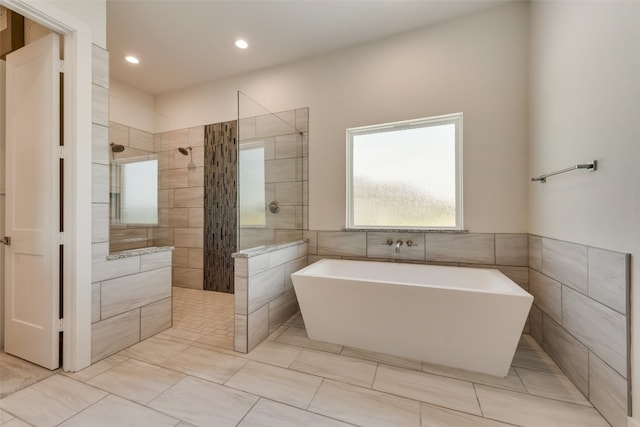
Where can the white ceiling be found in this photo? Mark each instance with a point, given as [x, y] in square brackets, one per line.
[183, 43]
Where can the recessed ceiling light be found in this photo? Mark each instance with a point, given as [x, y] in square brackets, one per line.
[132, 59]
[242, 44]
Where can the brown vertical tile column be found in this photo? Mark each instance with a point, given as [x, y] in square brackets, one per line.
[220, 205]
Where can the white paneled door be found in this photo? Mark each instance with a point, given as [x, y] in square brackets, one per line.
[32, 258]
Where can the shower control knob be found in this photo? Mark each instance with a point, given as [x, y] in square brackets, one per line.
[274, 207]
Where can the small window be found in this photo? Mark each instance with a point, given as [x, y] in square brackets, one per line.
[251, 194]
[406, 174]
[138, 201]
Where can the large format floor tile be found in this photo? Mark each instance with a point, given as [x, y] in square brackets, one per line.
[115, 411]
[203, 403]
[534, 360]
[97, 368]
[298, 336]
[279, 384]
[532, 411]
[206, 364]
[51, 401]
[154, 350]
[387, 359]
[267, 413]
[137, 381]
[364, 407]
[554, 386]
[275, 353]
[510, 382]
[193, 380]
[340, 368]
[435, 416]
[428, 388]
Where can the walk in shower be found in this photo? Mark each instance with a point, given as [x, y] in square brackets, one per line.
[272, 174]
[255, 185]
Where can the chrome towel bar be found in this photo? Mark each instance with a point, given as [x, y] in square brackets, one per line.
[588, 166]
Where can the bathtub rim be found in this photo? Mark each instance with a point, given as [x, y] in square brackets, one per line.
[513, 290]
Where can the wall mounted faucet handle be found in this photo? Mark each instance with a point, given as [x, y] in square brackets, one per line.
[410, 243]
[389, 242]
[274, 207]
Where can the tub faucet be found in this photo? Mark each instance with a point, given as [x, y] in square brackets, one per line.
[398, 244]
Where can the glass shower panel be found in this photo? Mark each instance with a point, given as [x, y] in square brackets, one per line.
[138, 168]
[270, 175]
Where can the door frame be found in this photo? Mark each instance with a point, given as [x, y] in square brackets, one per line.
[77, 108]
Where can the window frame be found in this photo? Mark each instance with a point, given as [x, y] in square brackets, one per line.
[455, 119]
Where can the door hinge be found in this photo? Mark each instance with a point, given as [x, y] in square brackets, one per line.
[60, 325]
[61, 66]
[61, 151]
[61, 238]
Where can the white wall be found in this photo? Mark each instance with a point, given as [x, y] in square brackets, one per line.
[132, 107]
[585, 105]
[2, 196]
[91, 12]
[476, 65]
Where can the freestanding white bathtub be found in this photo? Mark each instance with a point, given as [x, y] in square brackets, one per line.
[467, 318]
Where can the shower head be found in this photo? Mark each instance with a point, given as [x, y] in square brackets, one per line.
[117, 148]
[184, 151]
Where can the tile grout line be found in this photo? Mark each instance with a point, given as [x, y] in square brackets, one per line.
[475, 392]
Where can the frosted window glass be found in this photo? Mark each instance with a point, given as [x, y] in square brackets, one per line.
[405, 176]
[252, 188]
[139, 194]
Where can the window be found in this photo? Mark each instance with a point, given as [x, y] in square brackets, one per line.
[406, 174]
[134, 191]
[252, 190]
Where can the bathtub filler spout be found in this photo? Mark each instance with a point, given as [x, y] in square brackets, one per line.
[398, 244]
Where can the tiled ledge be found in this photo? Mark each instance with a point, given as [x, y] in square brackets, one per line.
[138, 252]
[264, 296]
[248, 253]
[404, 230]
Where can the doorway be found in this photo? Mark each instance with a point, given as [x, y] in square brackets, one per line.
[76, 109]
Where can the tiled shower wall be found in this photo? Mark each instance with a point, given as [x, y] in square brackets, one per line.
[181, 203]
[580, 318]
[137, 143]
[286, 146]
[221, 207]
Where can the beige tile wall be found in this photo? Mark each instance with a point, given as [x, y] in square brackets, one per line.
[286, 174]
[130, 302]
[264, 296]
[506, 252]
[181, 190]
[137, 143]
[131, 297]
[579, 318]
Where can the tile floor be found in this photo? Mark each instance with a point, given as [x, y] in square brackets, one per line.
[177, 379]
[205, 313]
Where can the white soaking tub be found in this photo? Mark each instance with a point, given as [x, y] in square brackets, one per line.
[467, 318]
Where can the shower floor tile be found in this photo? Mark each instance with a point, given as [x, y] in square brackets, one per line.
[203, 316]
